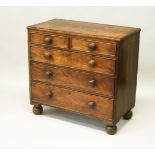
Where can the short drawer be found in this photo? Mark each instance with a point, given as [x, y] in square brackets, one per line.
[72, 100]
[93, 46]
[48, 39]
[74, 60]
[80, 80]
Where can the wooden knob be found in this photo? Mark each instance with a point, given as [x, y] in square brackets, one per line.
[91, 104]
[49, 94]
[48, 40]
[47, 55]
[92, 46]
[48, 74]
[91, 63]
[92, 83]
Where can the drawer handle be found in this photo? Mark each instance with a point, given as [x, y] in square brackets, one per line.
[48, 74]
[91, 104]
[48, 40]
[49, 94]
[92, 83]
[47, 55]
[92, 46]
[91, 63]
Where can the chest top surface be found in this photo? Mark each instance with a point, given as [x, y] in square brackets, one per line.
[102, 31]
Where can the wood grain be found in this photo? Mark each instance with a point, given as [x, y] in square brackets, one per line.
[72, 100]
[75, 79]
[75, 60]
[87, 68]
[57, 41]
[102, 31]
[101, 47]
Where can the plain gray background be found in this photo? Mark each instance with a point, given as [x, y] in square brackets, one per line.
[20, 128]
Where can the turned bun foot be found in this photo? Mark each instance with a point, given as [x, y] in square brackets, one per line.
[111, 129]
[128, 115]
[37, 110]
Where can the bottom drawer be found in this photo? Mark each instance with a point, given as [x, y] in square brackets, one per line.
[83, 103]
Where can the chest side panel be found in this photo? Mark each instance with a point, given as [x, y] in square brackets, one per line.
[127, 74]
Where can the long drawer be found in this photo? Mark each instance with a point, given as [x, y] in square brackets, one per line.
[93, 83]
[74, 59]
[72, 100]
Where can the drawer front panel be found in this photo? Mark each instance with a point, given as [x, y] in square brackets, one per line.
[72, 100]
[75, 60]
[96, 47]
[49, 40]
[73, 78]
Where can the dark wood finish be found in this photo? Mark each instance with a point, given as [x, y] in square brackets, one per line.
[111, 130]
[75, 79]
[87, 68]
[91, 46]
[128, 115]
[48, 55]
[91, 104]
[37, 109]
[75, 60]
[127, 75]
[72, 100]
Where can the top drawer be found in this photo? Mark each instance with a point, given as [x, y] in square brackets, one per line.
[48, 39]
[94, 46]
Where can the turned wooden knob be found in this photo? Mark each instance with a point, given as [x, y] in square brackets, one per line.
[47, 55]
[49, 94]
[92, 46]
[91, 104]
[48, 40]
[92, 83]
[48, 74]
[91, 63]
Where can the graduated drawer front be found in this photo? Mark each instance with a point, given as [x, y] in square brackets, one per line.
[48, 39]
[74, 59]
[93, 83]
[72, 100]
[94, 46]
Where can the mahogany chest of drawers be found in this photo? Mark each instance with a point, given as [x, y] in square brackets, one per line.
[87, 68]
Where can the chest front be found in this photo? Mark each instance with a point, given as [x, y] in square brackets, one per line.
[86, 68]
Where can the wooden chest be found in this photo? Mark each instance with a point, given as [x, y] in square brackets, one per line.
[87, 68]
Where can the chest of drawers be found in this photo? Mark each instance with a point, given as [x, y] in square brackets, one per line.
[86, 68]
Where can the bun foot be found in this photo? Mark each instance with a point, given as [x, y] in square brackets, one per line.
[111, 130]
[37, 109]
[128, 115]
